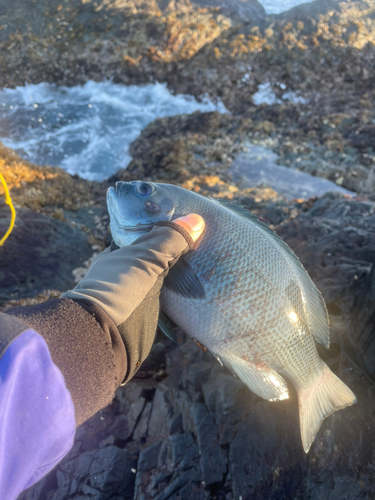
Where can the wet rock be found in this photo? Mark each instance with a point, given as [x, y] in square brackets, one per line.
[49, 190]
[179, 147]
[318, 60]
[335, 241]
[168, 468]
[40, 253]
[98, 474]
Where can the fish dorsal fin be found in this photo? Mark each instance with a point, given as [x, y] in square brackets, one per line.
[264, 382]
[317, 314]
[244, 212]
[182, 279]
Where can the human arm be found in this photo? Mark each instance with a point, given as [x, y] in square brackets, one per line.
[93, 339]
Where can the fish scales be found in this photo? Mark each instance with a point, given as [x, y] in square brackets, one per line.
[267, 334]
[260, 314]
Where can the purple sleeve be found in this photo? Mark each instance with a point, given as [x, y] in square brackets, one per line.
[37, 423]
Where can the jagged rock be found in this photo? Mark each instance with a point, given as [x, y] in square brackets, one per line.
[100, 474]
[213, 460]
[46, 189]
[40, 253]
[169, 468]
[179, 147]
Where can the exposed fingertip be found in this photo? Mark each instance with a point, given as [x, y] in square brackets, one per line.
[193, 223]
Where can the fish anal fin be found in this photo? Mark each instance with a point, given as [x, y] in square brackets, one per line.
[263, 381]
[326, 395]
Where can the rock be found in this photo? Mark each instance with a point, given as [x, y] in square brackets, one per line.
[335, 241]
[40, 253]
[240, 10]
[179, 147]
[317, 58]
[167, 468]
[98, 474]
[140, 432]
[213, 460]
[359, 345]
[158, 423]
[46, 189]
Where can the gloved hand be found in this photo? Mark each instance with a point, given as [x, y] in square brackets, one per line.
[100, 332]
[126, 283]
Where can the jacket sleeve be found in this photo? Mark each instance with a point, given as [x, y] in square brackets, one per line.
[37, 423]
[66, 357]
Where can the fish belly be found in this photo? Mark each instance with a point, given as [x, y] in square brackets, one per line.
[243, 328]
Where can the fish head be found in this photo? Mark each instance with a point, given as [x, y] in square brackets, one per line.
[135, 207]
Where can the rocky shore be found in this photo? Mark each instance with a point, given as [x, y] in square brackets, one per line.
[184, 427]
[322, 51]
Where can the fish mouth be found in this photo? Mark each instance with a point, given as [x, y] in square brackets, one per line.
[118, 221]
[137, 227]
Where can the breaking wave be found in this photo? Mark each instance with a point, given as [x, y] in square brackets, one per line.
[86, 130]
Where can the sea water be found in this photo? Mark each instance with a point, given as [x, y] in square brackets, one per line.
[86, 130]
[278, 6]
[259, 166]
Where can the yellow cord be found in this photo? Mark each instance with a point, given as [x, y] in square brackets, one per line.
[8, 201]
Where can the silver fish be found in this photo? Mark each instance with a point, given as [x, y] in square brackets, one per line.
[244, 295]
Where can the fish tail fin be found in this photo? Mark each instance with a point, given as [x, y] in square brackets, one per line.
[326, 395]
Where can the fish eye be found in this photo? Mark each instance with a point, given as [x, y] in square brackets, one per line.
[145, 189]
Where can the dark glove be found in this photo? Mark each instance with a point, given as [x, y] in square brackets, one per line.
[126, 284]
[100, 332]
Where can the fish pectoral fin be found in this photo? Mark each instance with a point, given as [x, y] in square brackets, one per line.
[182, 279]
[166, 326]
[264, 382]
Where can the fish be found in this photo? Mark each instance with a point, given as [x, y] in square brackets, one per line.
[241, 293]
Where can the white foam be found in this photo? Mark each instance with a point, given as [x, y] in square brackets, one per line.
[293, 97]
[266, 95]
[86, 129]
